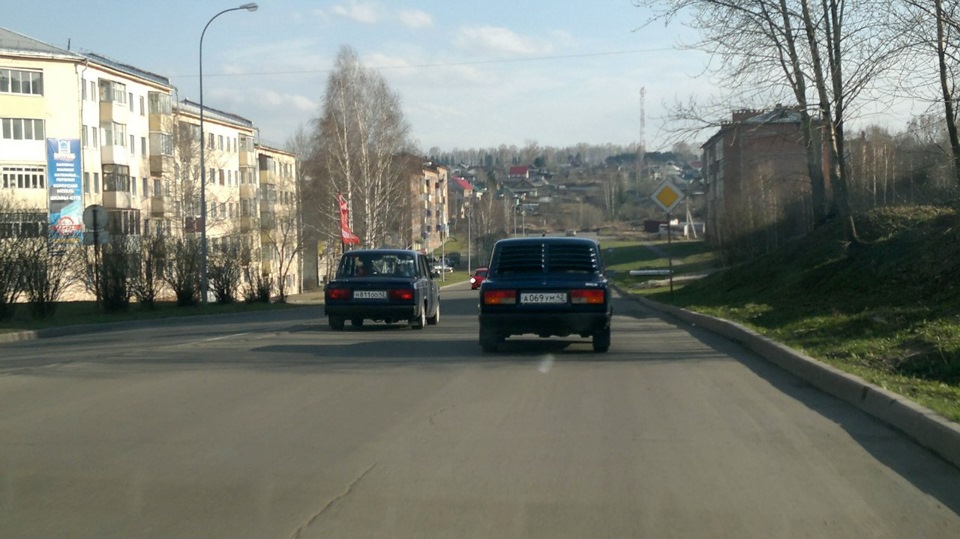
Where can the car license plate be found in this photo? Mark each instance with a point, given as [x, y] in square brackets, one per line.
[369, 294]
[543, 297]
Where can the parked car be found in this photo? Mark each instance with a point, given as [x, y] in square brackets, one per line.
[544, 286]
[382, 285]
[477, 279]
[442, 267]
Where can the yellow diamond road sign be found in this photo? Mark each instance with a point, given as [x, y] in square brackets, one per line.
[667, 196]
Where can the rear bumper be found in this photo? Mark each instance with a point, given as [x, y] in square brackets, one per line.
[545, 324]
[373, 312]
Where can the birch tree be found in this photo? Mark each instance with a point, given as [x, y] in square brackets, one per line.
[360, 138]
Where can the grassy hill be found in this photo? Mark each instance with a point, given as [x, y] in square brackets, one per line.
[886, 308]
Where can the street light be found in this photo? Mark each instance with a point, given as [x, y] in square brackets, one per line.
[204, 284]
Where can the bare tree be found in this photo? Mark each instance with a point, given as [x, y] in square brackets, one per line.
[360, 137]
[283, 241]
[821, 54]
[13, 253]
[933, 29]
[47, 273]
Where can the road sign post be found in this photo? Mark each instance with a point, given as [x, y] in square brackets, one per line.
[668, 197]
[95, 220]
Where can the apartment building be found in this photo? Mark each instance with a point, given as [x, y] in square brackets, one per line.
[280, 242]
[433, 192]
[79, 129]
[757, 181]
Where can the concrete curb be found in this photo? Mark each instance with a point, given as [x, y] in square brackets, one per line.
[921, 424]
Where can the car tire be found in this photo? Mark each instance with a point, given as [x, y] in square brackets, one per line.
[356, 322]
[489, 340]
[601, 340]
[435, 319]
[336, 323]
[420, 321]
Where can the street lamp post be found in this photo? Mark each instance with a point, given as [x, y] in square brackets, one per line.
[469, 234]
[204, 283]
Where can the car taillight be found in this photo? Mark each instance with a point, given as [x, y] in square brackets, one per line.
[473, 280]
[500, 297]
[400, 294]
[592, 297]
[338, 293]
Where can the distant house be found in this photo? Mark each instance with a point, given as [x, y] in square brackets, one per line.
[757, 181]
[519, 172]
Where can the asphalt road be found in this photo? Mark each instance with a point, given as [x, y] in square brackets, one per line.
[247, 426]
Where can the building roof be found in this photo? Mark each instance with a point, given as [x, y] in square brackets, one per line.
[779, 115]
[127, 69]
[194, 108]
[11, 41]
[519, 170]
[464, 184]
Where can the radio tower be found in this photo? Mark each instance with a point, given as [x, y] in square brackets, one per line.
[642, 149]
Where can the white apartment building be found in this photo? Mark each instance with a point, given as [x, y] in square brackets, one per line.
[135, 151]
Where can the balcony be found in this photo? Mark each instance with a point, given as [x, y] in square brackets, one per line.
[247, 158]
[111, 111]
[117, 200]
[161, 164]
[158, 206]
[114, 154]
[249, 224]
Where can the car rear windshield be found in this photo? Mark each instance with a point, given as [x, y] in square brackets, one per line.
[547, 258]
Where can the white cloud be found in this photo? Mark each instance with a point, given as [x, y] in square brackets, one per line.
[415, 18]
[499, 40]
[359, 12]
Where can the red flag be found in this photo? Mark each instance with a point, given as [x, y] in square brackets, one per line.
[346, 236]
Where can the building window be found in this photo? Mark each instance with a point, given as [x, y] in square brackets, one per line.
[86, 182]
[23, 224]
[22, 129]
[116, 178]
[114, 134]
[146, 187]
[124, 222]
[130, 95]
[14, 177]
[133, 185]
[15, 81]
[111, 91]
[133, 145]
[162, 144]
[143, 146]
[220, 142]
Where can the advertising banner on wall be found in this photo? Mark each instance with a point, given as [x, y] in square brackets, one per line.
[65, 191]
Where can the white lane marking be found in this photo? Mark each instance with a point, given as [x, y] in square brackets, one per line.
[546, 364]
[223, 337]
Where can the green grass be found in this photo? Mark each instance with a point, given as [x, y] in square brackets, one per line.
[886, 308]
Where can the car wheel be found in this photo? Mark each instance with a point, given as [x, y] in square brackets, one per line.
[489, 340]
[435, 319]
[356, 322]
[601, 340]
[336, 323]
[420, 321]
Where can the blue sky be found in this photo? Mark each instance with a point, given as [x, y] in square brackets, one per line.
[469, 74]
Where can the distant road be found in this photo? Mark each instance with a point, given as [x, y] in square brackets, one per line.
[271, 425]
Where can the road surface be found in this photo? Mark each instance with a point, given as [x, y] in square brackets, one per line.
[275, 426]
